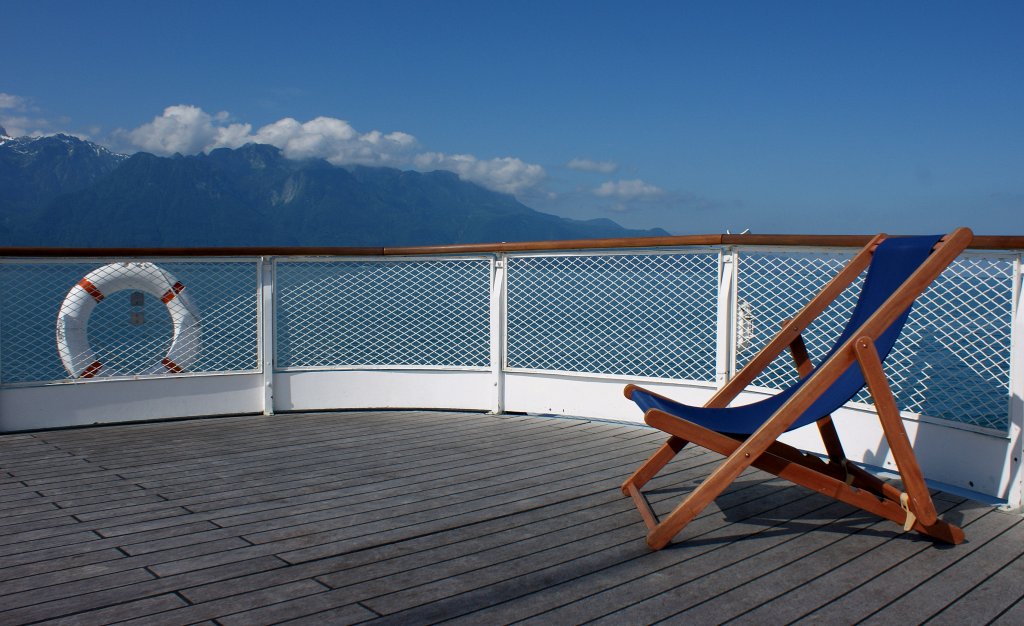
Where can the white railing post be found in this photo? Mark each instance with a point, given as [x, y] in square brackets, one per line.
[497, 310]
[724, 357]
[267, 332]
[1015, 431]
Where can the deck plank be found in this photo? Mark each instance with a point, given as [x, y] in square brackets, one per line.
[410, 517]
[887, 589]
[945, 588]
[988, 599]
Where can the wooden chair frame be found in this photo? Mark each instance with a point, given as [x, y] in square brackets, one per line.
[836, 477]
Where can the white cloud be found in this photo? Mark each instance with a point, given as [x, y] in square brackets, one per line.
[335, 140]
[14, 120]
[232, 136]
[628, 190]
[20, 118]
[189, 129]
[11, 101]
[16, 126]
[505, 174]
[587, 165]
[181, 128]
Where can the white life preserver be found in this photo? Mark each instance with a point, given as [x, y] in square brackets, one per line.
[73, 319]
[745, 330]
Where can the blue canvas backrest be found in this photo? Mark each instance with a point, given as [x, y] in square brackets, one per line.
[892, 263]
[894, 260]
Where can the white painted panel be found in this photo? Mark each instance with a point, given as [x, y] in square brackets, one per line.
[107, 401]
[355, 389]
[960, 458]
[588, 396]
[968, 460]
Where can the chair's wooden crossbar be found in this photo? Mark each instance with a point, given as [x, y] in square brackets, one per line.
[741, 454]
[642, 505]
[826, 427]
[801, 469]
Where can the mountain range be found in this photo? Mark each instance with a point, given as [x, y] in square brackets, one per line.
[64, 191]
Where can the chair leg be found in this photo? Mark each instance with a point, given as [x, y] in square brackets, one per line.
[642, 505]
[830, 437]
[899, 444]
[741, 458]
[804, 367]
[777, 457]
[653, 465]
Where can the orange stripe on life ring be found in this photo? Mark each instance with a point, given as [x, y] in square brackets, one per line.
[170, 293]
[171, 366]
[91, 289]
[93, 369]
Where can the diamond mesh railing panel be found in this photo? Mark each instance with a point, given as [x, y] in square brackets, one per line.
[65, 320]
[650, 315]
[383, 313]
[952, 358]
[775, 286]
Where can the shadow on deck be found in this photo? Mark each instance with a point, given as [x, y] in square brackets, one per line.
[422, 517]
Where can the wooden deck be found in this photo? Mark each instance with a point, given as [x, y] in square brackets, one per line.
[423, 517]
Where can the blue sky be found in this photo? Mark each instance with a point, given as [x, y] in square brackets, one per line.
[804, 117]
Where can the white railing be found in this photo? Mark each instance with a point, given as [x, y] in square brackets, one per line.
[539, 331]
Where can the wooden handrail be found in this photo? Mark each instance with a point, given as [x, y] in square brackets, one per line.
[227, 251]
[566, 244]
[981, 242]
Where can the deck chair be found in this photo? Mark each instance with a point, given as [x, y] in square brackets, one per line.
[899, 269]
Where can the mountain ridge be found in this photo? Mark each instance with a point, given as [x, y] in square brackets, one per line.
[65, 191]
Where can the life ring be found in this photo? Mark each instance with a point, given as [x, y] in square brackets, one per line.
[745, 330]
[73, 319]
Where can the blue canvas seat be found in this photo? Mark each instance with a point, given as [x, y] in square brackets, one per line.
[899, 269]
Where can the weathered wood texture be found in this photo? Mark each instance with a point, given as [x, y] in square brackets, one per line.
[419, 517]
